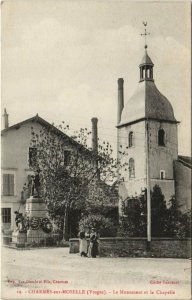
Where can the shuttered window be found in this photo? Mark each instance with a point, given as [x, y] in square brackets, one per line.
[6, 215]
[8, 184]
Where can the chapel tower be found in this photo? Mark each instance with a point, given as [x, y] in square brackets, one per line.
[147, 130]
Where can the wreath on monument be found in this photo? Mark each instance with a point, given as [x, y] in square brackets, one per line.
[46, 225]
[34, 223]
[43, 223]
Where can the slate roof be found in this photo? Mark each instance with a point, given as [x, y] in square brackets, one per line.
[147, 103]
[146, 60]
[43, 122]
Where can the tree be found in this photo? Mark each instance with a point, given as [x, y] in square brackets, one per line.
[70, 173]
[104, 226]
[101, 210]
[165, 221]
[159, 212]
[133, 221]
[179, 223]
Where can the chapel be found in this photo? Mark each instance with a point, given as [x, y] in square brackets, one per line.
[147, 132]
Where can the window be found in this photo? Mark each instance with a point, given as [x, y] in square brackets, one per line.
[148, 73]
[6, 215]
[32, 156]
[162, 174]
[143, 75]
[131, 168]
[161, 137]
[67, 157]
[131, 139]
[8, 184]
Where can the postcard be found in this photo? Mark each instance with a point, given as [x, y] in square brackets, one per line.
[96, 149]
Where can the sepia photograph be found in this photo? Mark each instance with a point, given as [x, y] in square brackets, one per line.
[95, 149]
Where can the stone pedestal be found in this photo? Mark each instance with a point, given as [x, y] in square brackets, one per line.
[19, 238]
[40, 227]
[35, 207]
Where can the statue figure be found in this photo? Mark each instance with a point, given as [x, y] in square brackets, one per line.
[35, 184]
[19, 220]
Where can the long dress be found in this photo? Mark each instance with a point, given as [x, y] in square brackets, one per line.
[93, 246]
[83, 246]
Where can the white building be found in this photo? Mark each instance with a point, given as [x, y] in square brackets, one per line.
[16, 162]
[147, 131]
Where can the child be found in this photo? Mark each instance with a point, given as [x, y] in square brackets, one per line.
[82, 244]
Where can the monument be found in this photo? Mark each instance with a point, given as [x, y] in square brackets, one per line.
[39, 227]
[35, 227]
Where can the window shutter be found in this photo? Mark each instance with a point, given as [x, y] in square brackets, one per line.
[5, 184]
[11, 184]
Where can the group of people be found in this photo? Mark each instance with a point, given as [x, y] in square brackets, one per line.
[92, 249]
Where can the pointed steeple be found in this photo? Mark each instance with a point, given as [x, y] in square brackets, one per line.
[146, 65]
[146, 68]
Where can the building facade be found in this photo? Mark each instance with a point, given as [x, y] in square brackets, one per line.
[147, 130]
[16, 162]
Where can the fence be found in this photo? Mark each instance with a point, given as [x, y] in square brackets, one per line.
[51, 240]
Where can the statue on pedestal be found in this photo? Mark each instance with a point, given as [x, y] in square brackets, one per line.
[35, 184]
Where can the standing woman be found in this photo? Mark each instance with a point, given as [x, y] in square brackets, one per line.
[82, 244]
[93, 245]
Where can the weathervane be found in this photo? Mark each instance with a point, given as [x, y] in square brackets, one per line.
[145, 34]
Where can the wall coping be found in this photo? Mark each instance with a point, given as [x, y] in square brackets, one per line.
[135, 238]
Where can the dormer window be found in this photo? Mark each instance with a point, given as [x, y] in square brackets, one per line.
[131, 139]
[161, 137]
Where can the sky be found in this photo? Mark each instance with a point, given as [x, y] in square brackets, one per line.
[61, 59]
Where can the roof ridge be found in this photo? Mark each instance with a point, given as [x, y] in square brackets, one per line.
[42, 121]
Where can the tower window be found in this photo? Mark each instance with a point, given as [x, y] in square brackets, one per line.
[131, 168]
[161, 137]
[147, 73]
[131, 139]
[143, 74]
[162, 174]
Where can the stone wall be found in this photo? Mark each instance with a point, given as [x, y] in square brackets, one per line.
[137, 247]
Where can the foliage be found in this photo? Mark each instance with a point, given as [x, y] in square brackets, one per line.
[104, 226]
[70, 173]
[178, 223]
[134, 219]
[165, 221]
[159, 213]
[101, 204]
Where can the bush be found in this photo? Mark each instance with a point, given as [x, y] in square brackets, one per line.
[104, 226]
[165, 222]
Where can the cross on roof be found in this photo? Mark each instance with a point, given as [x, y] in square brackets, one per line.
[145, 34]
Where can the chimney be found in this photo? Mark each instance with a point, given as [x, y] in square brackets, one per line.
[94, 135]
[6, 119]
[120, 104]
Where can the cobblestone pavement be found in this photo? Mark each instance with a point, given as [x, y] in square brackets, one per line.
[55, 274]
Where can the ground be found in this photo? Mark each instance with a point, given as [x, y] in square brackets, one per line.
[53, 273]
